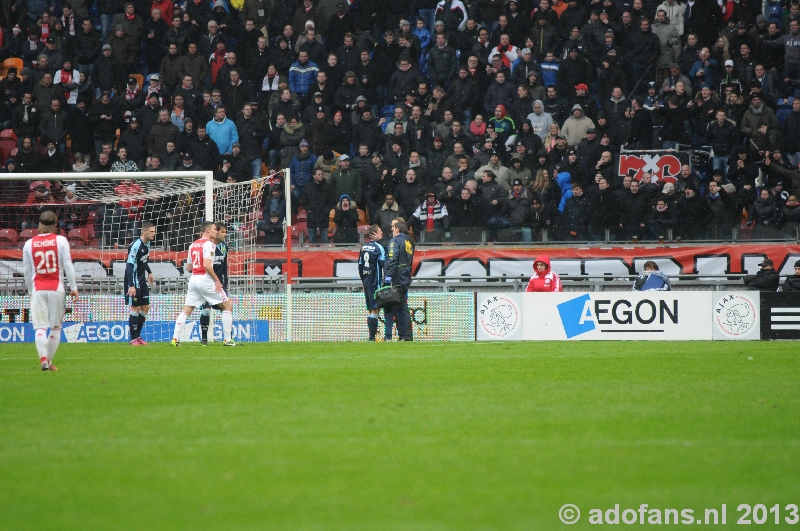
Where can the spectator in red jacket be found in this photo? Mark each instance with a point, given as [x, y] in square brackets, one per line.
[544, 279]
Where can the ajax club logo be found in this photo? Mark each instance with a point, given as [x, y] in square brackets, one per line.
[736, 315]
[499, 316]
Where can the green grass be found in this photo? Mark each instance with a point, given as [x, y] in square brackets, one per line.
[392, 436]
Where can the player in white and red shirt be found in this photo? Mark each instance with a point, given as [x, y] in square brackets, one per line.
[205, 286]
[46, 260]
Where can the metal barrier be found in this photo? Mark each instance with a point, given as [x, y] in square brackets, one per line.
[581, 283]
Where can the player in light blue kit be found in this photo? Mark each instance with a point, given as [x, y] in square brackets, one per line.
[371, 260]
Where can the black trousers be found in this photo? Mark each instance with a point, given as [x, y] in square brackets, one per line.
[400, 314]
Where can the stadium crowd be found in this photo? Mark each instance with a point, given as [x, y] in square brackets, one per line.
[486, 114]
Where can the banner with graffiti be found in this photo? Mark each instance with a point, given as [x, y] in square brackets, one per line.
[663, 165]
[467, 261]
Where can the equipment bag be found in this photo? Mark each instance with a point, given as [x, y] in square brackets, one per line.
[388, 296]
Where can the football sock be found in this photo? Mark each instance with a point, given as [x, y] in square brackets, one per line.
[41, 343]
[372, 324]
[142, 319]
[52, 342]
[227, 325]
[179, 322]
[205, 320]
[133, 324]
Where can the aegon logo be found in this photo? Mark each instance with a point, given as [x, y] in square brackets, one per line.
[582, 314]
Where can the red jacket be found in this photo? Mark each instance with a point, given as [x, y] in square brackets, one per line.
[167, 9]
[547, 281]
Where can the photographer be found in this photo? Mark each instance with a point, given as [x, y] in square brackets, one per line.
[398, 273]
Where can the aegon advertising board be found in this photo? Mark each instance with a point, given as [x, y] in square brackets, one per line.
[617, 316]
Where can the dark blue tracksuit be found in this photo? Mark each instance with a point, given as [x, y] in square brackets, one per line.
[398, 267]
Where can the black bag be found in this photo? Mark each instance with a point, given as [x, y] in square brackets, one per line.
[388, 296]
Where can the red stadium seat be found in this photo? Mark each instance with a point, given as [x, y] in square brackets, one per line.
[78, 238]
[8, 238]
[91, 238]
[8, 145]
[302, 215]
[27, 234]
[299, 234]
[8, 133]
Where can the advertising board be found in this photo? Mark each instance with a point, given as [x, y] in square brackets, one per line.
[736, 315]
[665, 315]
[780, 316]
[498, 316]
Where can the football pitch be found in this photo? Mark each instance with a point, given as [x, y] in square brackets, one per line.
[402, 436]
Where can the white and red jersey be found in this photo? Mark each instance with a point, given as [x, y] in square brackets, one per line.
[199, 251]
[46, 259]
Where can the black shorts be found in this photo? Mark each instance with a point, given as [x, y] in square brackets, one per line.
[142, 297]
[206, 305]
[369, 295]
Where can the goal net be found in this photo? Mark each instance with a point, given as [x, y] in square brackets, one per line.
[101, 214]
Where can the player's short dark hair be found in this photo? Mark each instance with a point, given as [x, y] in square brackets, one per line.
[220, 225]
[146, 225]
[48, 218]
[373, 229]
[204, 227]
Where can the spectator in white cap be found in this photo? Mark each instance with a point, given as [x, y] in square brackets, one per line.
[523, 66]
[346, 180]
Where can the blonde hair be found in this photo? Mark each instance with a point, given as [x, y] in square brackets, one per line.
[540, 182]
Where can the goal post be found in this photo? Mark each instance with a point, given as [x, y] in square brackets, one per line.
[287, 187]
[101, 215]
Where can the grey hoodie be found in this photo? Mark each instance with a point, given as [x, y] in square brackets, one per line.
[540, 122]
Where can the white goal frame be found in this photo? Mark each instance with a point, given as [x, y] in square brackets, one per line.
[184, 181]
[207, 176]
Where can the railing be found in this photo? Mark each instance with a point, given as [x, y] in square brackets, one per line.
[276, 284]
[520, 237]
[581, 283]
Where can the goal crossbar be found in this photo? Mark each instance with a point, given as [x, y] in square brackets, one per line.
[207, 178]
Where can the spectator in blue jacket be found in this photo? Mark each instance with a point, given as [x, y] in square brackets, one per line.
[302, 74]
[222, 131]
[301, 170]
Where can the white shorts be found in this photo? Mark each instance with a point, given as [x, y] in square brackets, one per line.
[47, 309]
[201, 290]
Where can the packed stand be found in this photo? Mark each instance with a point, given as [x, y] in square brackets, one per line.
[502, 116]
